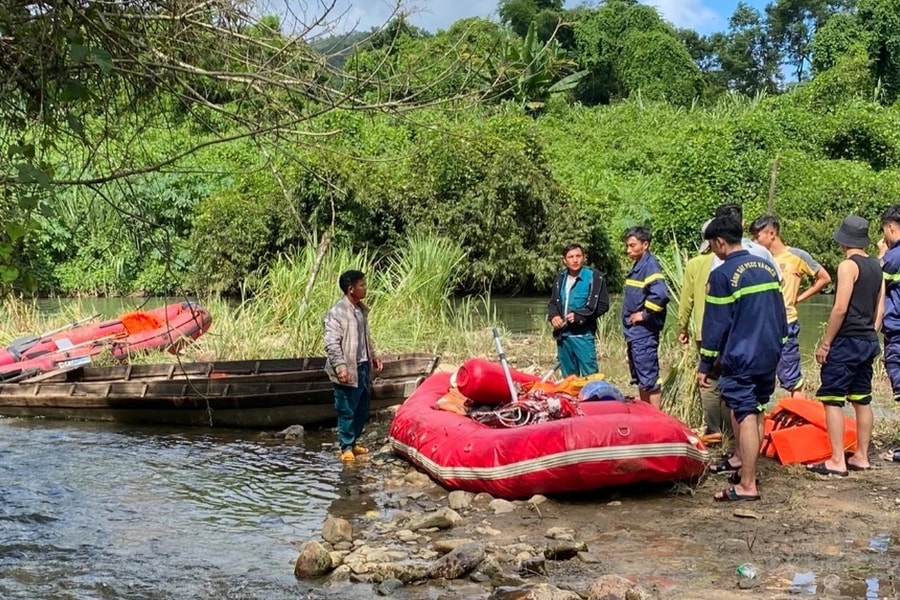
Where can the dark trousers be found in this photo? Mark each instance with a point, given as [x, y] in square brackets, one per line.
[352, 406]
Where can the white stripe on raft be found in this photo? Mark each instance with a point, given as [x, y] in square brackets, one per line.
[561, 459]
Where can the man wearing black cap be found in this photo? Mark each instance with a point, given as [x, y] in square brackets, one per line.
[849, 348]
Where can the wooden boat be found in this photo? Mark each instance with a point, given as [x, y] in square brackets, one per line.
[166, 328]
[252, 393]
[612, 444]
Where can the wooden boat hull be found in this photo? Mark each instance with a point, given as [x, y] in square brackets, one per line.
[268, 399]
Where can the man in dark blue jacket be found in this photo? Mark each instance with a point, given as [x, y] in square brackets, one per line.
[744, 329]
[578, 299]
[644, 314]
[890, 264]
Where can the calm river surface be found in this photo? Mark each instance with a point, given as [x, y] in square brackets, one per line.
[104, 511]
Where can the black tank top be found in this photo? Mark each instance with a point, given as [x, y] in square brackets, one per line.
[860, 319]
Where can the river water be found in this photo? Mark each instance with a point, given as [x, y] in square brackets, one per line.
[105, 511]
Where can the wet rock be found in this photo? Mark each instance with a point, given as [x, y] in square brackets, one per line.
[490, 567]
[405, 535]
[616, 587]
[522, 556]
[442, 518]
[461, 561]
[531, 567]
[417, 479]
[564, 550]
[479, 577]
[500, 506]
[341, 546]
[339, 575]
[487, 531]
[314, 561]
[502, 579]
[561, 533]
[458, 499]
[374, 555]
[533, 591]
[445, 546]
[388, 586]
[482, 498]
[588, 558]
[292, 433]
[337, 558]
[537, 499]
[362, 577]
[337, 530]
[407, 572]
[514, 549]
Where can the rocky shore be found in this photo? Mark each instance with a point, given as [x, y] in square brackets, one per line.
[395, 533]
[476, 545]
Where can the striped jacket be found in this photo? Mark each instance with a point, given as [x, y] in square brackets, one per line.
[645, 291]
[744, 321]
[342, 340]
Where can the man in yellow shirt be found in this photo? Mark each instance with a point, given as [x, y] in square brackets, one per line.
[690, 318]
[795, 264]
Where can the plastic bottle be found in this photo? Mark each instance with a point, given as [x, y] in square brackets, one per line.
[747, 576]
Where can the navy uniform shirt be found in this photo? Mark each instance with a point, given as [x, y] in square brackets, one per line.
[645, 291]
[890, 264]
[744, 322]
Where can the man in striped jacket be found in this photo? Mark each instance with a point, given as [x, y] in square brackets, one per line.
[350, 361]
[644, 314]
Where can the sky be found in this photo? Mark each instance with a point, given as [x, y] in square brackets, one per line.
[704, 16]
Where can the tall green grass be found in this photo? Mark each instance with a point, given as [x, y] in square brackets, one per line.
[409, 293]
[681, 392]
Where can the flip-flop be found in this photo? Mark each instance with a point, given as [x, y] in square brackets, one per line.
[723, 466]
[852, 467]
[731, 495]
[821, 469]
[734, 477]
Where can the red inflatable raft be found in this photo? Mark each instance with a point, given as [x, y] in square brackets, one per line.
[165, 328]
[614, 443]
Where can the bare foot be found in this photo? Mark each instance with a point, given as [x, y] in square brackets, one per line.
[858, 463]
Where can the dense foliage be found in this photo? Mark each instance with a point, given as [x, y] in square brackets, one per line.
[135, 166]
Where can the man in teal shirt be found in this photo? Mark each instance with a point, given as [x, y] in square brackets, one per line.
[579, 297]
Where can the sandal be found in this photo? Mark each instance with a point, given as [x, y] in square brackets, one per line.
[731, 495]
[734, 478]
[821, 469]
[723, 466]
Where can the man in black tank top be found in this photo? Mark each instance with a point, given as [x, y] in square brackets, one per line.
[849, 348]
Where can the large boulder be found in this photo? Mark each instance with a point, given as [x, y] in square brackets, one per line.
[314, 561]
[337, 530]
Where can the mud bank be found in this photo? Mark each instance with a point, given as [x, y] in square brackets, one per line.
[809, 535]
